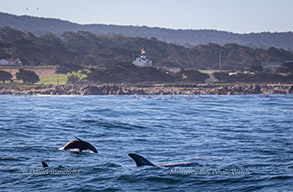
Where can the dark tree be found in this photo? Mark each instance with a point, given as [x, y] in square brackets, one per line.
[124, 72]
[5, 76]
[286, 67]
[27, 76]
[255, 68]
[222, 76]
[191, 76]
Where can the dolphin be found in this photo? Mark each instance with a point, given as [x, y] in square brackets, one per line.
[44, 164]
[141, 161]
[80, 145]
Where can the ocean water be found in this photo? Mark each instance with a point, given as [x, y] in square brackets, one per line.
[241, 143]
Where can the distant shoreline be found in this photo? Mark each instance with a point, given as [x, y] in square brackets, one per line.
[158, 89]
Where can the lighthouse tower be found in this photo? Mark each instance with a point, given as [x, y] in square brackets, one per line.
[142, 61]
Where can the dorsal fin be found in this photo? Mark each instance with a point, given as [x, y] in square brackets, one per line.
[78, 139]
[139, 160]
[44, 164]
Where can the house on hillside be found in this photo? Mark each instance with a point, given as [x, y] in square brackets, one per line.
[142, 61]
[11, 62]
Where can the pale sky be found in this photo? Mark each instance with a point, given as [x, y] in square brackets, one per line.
[239, 16]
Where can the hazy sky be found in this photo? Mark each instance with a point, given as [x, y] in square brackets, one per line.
[240, 16]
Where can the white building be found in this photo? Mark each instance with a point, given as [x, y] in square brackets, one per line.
[11, 62]
[142, 61]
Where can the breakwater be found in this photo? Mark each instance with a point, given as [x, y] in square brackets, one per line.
[113, 89]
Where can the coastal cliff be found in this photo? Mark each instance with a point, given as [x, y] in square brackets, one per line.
[161, 89]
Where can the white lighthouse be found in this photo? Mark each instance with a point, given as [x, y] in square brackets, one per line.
[142, 61]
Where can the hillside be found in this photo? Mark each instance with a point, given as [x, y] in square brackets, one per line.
[41, 26]
[77, 49]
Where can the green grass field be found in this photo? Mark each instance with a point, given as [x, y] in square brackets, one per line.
[59, 79]
[55, 80]
[52, 80]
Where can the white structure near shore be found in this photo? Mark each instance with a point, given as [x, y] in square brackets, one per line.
[142, 61]
[11, 62]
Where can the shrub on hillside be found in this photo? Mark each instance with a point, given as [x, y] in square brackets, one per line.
[124, 72]
[191, 76]
[27, 76]
[5, 76]
[67, 67]
[251, 77]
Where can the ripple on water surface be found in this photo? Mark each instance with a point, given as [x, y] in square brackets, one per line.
[241, 143]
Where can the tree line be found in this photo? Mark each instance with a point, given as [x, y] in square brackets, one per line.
[109, 58]
[25, 75]
[77, 50]
[129, 73]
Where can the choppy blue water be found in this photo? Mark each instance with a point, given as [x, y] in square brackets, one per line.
[242, 143]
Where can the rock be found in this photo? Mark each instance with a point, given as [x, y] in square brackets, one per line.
[93, 90]
[256, 89]
[122, 92]
[290, 89]
[113, 90]
[106, 89]
[151, 90]
[278, 90]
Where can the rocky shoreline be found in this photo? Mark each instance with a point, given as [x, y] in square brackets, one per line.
[112, 89]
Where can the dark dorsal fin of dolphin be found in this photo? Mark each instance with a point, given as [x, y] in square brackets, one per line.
[139, 160]
[79, 139]
[44, 164]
